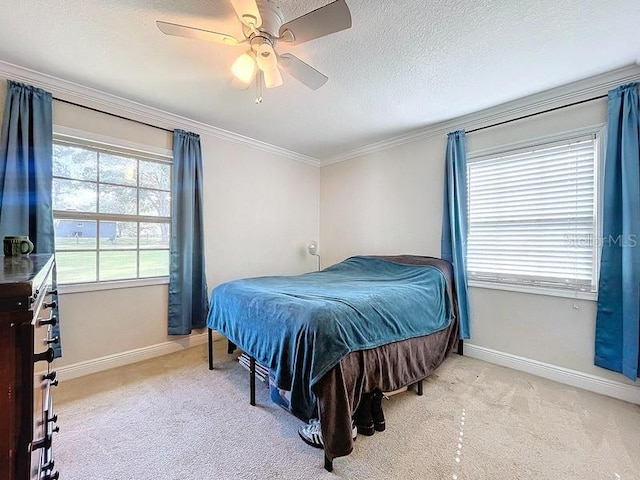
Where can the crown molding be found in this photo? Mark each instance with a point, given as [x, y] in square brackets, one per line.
[555, 97]
[91, 97]
[531, 104]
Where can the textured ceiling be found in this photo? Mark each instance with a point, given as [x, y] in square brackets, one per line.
[403, 64]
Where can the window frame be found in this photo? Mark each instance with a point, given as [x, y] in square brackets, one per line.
[599, 132]
[108, 145]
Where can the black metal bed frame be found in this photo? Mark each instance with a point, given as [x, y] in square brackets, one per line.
[231, 347]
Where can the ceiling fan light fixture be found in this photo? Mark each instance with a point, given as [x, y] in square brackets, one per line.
[244, 68]
[266, 58]
[262, 27]
[272, 78]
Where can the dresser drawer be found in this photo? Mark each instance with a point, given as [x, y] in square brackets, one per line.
[39, 394]
[46, 463]
[44, 424]
[44, 319]
[42, 462]
[47, 469]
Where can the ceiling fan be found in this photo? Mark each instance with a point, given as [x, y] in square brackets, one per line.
[263, 28]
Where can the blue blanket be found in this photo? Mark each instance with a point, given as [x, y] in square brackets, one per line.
[301, 326]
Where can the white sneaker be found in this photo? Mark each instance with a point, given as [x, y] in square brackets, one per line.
[311, 433]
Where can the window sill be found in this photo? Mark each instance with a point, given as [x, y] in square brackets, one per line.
[113, 285]
[549, 291]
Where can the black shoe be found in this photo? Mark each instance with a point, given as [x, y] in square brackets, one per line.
[362, 418]
[377, 415]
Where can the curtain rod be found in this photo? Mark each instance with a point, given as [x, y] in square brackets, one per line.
[538, 113]
[469, 131]
[111, 114]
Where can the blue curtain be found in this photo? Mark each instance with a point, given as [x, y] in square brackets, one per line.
[188, 303]
[454, 221]
[26, 145]
[617, 321]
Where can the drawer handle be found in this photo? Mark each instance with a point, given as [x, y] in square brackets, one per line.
[53, 419]
[53, 292]
[52, 341]
[51, 376]
[42, 443]
[53, 304]
[44, 356]
[51, 321]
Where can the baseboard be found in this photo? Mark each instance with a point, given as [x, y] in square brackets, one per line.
[96, 365]
[593, 383]
[611, 388]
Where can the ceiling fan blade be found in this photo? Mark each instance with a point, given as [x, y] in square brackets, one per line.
[247, 11]
[302, 72]
[197, 33]
[331, 18]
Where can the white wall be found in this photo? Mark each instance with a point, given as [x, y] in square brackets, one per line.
[261, 209]
[390, 202]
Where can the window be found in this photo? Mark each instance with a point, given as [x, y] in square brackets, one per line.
[533, 217]
[112, 213]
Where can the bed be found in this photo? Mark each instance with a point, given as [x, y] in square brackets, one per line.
[328, 337]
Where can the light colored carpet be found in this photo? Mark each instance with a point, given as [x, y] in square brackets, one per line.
[172, 418]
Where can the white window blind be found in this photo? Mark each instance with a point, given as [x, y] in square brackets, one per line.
[532, 216]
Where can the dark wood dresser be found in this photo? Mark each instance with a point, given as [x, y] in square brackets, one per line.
[27, 420]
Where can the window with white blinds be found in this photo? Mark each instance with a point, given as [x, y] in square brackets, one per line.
[533, 218]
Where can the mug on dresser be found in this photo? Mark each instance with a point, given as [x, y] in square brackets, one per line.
[17, 245]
